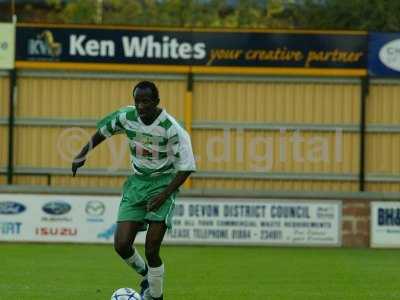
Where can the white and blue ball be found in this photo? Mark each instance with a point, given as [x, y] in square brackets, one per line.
[125, 294]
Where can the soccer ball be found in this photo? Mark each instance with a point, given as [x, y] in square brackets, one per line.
[125, 294]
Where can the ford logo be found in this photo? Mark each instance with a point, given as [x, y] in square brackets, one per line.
[11, 208]
[56, 208]
[389, 55]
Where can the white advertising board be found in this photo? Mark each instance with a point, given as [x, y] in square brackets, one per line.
[385, 224]
[7, 45]
[57, 218]
[91, 219]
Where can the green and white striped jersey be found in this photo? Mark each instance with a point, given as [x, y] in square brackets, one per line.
[159, 148]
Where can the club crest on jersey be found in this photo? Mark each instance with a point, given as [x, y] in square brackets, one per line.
[147, 140]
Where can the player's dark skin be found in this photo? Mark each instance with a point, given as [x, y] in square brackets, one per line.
[148, 110]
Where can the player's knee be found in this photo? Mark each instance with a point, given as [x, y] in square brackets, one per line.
[122, 247]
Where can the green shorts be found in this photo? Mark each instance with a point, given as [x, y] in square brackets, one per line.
[137, 191]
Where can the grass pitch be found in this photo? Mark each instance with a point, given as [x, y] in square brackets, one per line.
[73, 272]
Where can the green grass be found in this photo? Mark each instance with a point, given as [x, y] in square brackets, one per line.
[73, 272]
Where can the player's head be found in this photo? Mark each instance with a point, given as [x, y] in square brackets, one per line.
[146, 97]
[148, 88]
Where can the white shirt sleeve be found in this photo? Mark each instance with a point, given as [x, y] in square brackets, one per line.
[112, 126]
[182, 151]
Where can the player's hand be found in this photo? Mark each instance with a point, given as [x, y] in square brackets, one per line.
[77, 163]
[156, 202]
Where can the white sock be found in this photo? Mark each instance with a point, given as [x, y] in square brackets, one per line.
[156, 278]
[137, 263]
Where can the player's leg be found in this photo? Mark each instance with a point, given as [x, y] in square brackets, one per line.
[158, 221]
[154, 237]
[123, 244]
[130, 221]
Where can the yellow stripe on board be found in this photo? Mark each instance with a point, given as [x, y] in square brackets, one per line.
[279, 71]
[180, 29]
[188, 124]
[185, 69]
[101, 67]
[285, 31]
[105, 27]
[188, 111]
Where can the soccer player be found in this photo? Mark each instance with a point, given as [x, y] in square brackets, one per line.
[162, 159]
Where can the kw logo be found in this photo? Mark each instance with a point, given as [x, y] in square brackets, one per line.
[44, 45]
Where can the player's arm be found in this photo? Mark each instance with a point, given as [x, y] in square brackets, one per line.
[80, 159]
[106, 128]
[179, 179]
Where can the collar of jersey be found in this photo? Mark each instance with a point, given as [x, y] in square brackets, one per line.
[155, 122]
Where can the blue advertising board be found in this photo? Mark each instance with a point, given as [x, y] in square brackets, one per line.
[295, 50]
[384, 55]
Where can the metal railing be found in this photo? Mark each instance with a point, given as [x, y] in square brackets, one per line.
[361, 177]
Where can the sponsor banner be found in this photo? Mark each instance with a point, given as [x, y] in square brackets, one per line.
[384, 54]
[266, 222]
[385, 224]
[7, 45]
[56, 218]
[192, 48]
[62, 218]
